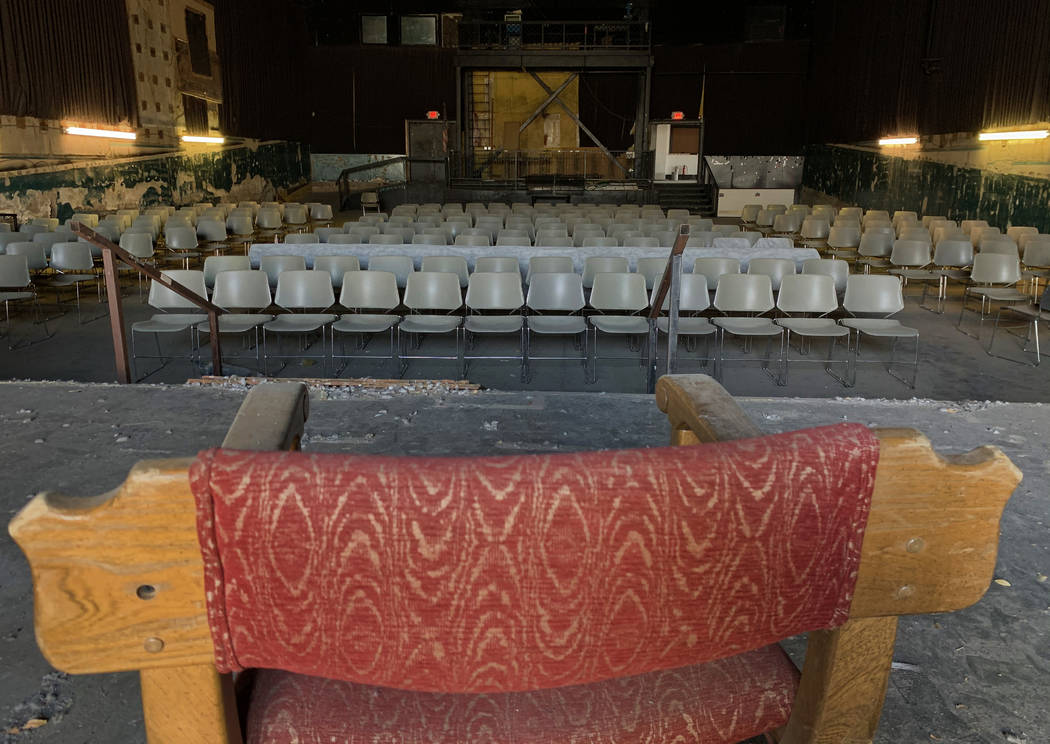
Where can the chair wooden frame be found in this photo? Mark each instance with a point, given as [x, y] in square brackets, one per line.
[119, 585]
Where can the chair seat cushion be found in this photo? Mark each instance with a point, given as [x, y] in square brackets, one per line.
[749, 326]
[728, 700]
[298, 322]
[813, 326]
[12, 296]
[365, 323]
[630, 324]
[236, 323]
[430, 323]
[557, 324]
[168, 323]
[887, 327]
[68, 280]
[493, 323]
[688, 326]
[1000, 294]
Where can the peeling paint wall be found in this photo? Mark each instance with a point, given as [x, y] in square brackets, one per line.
[328, 166]
[874, 180]
[232, 174]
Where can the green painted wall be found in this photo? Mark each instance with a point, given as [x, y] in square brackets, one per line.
[249, 173]
[875, 181]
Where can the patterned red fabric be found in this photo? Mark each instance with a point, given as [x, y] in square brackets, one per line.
[521, 573]
[728, 700]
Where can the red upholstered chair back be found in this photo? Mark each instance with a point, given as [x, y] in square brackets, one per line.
[529, 572]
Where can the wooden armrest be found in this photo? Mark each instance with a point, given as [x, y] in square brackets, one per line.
[118, 581]
[933, 529]
[929, 546]
[701, 410]
[272, 417]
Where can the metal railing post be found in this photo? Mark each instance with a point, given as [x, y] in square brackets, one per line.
[672, 312]
[110, 253]
[670, 282]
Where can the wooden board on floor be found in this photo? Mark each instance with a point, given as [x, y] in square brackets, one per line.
[317, 382]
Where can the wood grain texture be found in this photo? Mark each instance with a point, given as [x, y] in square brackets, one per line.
[930, 545]
[701, 410]
[933, 530]
[271, 417]
[189, 704]
[89, 557]
[843, 684]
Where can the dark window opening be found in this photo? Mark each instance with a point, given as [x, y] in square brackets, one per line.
[196, 110]
[197, 31]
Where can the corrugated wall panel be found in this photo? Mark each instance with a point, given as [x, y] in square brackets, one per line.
[263, 48]
[66, 59]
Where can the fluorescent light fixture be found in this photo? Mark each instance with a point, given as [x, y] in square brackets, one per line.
[111, 133]
[898, 140]
[1029, 134]
[208, 140]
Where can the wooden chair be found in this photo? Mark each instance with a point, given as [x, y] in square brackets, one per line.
[647, 587]
[370, 200]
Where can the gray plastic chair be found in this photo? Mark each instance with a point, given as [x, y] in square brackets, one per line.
[619, 297]
[16, 287]
[814, 232]
[74, 266]
[164, 299]
[549, 265]
[211, 230]
[749, 213]
[652, 269]
[594, 265]
[874, 251]
[364, 293]
[714, 267]
[453, 264]
[999, 244]
[871, 300]
[430, 292]
[274, 265]
[693, 298]
[387, 239]
[836, 268]
[400, 266]
[806, 300]
[554, 302]
[704, 239]
[775, 268]
[33, 252]
[992, 279]
[553, 241]
[241, 289]
[181, 243]
[498, 295]
[300, 291]
[302, 239]
[294, 215]
[746, 297]
[336, 266]
[843, 240]
[214, 264]
[498, 264]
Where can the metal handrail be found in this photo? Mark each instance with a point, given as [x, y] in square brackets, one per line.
[670, 283]
[593, 35]
[343, 181]
[517, 167]
[110, 252]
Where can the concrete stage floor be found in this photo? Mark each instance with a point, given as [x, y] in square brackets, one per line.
[978, 675]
